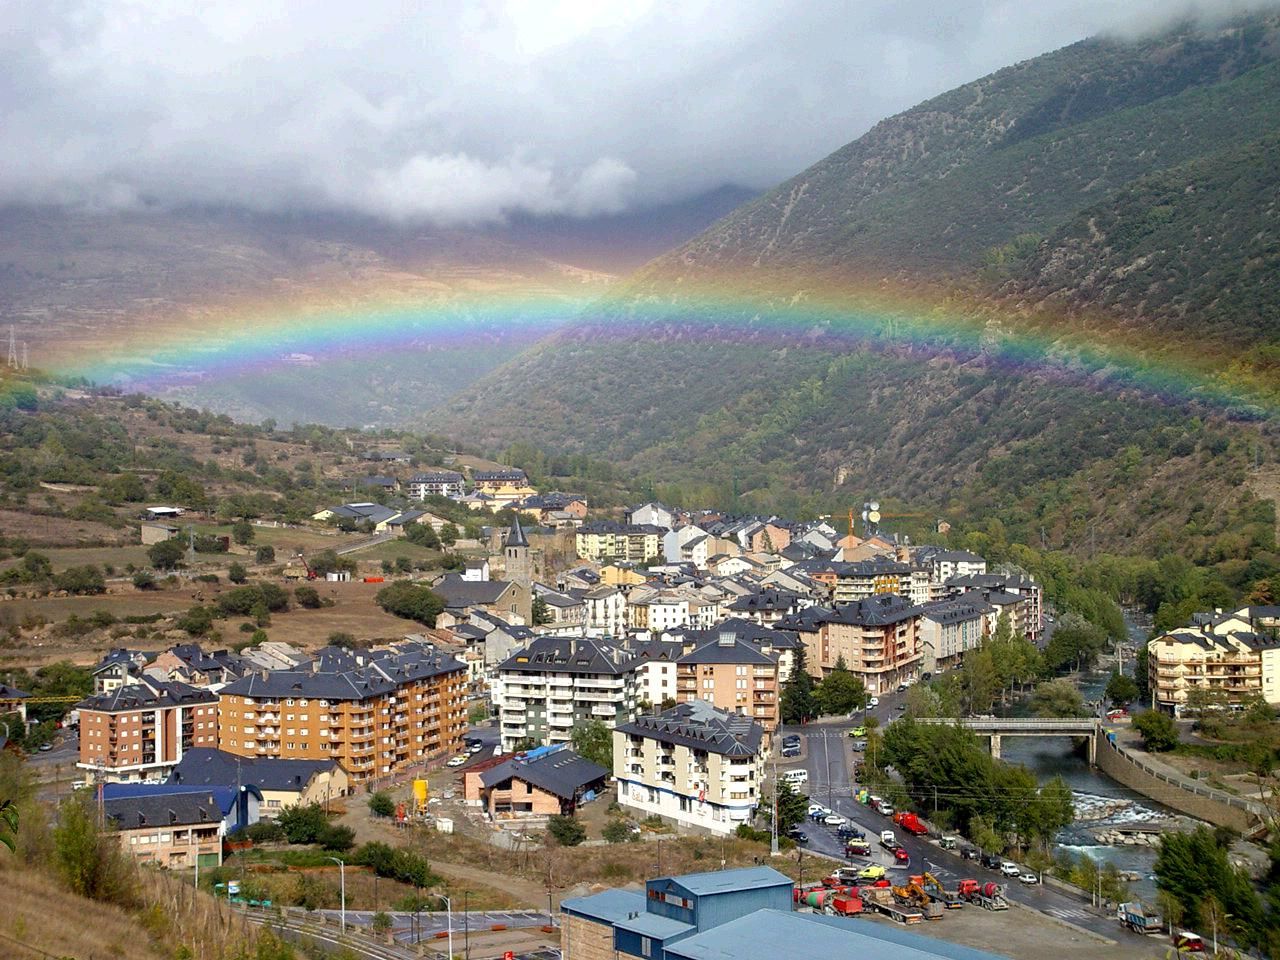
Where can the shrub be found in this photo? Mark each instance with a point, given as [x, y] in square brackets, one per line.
[567, 831]
[381, 804]
[307, 597]
[167, 554]
[303, 824]
[265, 554]
[337, 838]
[84, 580]
[411, 601]
[236, 573]
[144, 580]
[1159, 732]
[265, 831]
[617, 831]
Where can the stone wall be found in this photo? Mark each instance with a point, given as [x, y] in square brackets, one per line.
[1179, 793]
[583, 939]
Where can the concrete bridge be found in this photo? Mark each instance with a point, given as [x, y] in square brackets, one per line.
[997, 728]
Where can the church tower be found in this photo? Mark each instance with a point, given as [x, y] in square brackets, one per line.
[516, 550]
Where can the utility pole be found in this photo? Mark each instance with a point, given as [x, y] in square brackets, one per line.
[13, 348]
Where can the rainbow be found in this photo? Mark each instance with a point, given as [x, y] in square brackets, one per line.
[238, 338]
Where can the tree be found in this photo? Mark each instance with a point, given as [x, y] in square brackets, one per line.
[616, 831]
[336, 837]
[381, 923]
[411, 601]
[1057, 698]
[265, 554]
[422, 534]
[167, 554]
[798, 704]
[303, 824]
[242, 532]
[594, 741]
[87, 579]
[1191, 864]
[307, 597]
[91, 861]
[381, 804]
[1121, 690]
[793, 807]
[448, 534]
[9, 824]
[841, 692]
[541, 611]
[1159, 732]
[144, 580]
[567, 831]
[236, 573]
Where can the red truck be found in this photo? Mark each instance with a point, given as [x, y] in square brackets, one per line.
[909, 822]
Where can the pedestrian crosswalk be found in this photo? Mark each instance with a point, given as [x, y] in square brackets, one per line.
[1069, 913]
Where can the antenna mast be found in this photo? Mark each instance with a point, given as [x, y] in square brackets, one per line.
[13, 348]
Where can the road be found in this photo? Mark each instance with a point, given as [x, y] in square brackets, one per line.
[827, 756]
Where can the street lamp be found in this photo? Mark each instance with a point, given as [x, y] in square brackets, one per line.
[449, 907]
[342, 886]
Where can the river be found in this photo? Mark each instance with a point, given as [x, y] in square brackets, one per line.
[1050, 757]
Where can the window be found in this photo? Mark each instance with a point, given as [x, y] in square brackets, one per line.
[646, 946]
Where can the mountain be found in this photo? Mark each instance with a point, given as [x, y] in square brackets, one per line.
[1116, 191]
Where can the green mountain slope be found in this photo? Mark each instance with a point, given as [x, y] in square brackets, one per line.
[1117, 188]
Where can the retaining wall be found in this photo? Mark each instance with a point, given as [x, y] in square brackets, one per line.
[1178, 793]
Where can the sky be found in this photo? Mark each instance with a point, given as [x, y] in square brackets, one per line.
[468, 112]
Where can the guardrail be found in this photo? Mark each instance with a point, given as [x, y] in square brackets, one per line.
[1082, 725]
[1194, 787]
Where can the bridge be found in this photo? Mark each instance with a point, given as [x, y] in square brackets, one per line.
[998, 727]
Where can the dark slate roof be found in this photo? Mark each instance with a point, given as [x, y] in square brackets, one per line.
[463, 593]
[12, 693]
[148, 695]
[203, 767]
[378, 481]
[568, 655]
[699, 725]
[729, 650]
[133, 813]
[877, 611]
[437, 476]
[766, 600]
[337, 674]
[373, 512]
[747, 631]
[490, 475]
[515, 536]
[631, 529]
[561, 772]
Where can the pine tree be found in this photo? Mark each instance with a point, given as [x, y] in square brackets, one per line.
[798, 703]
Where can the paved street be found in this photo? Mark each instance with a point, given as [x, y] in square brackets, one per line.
[413, 928]
[827, 757]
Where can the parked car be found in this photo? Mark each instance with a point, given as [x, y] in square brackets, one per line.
[789, 752]
[46, 747]
[791, 739]
[902, 688]
[849, 832]
[991, 861]
[1010, 869]
[475, 748]
[815, 807]
[820, 814]
[1028, 877]
[834, 820]
[457, 761]
[968, 853]
[859, 731]
[884, 808]
[798, 835]
[901, 707]
[860, 745]
[871, 872]
[796, 777]
[873, 701]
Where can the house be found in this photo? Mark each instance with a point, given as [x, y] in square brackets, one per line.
[172, 830]
[188, 663]
[157, 532]
[477, 500]
[556, 683]
[654, 664]
[655, 514]
[606, 610]
[768, 606]
[281, 783]
[620, 575]
[357, 513]
[551, 781]
[674, 543]
[564, 609]
[860, 579]
[733, 674]
[162, 513]
[378, 482]
[502, 598]
[141, 730]
[498, 639]
[436, 483]
[697, 765]
[386, 456]
[584, 578]
[878, 638]
[274, 655]
[377, 712]
[476, 571]
[13, 701]
[117, 668]
[545, 506]
[945, 564]
[724, 565]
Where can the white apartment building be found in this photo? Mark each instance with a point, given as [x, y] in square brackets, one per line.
[556, 683]
[606, 611]
[441, 483]
[693, 764]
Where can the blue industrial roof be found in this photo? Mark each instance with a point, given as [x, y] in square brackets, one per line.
[728, 881]
[653, 925]
[769, 934]
[609, 906]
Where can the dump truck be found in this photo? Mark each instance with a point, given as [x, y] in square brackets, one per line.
[845, 905]
[989, 896]
[911, 823]
[933, 886]
[1138, 918]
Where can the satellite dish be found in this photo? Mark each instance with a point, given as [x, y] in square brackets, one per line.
[875, 505]
[874, 516]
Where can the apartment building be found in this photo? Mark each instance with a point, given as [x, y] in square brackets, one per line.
[1232, 657]
[878, 638]
[141, 730]
[1028, 616]
[491, 481]
[779, 645]
[606, 610]
[609, 540]
[542, 692]
[694, 764]
[870, 578]
[438, 483]
[951, 628]
[734, 675]
[376, 712]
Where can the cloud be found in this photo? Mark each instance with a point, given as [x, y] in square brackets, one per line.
[458, 112]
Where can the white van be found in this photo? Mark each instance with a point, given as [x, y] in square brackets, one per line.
[796, 776]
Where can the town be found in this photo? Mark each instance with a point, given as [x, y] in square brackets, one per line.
[571, 675]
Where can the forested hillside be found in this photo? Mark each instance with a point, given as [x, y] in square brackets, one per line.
[1111, 191]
